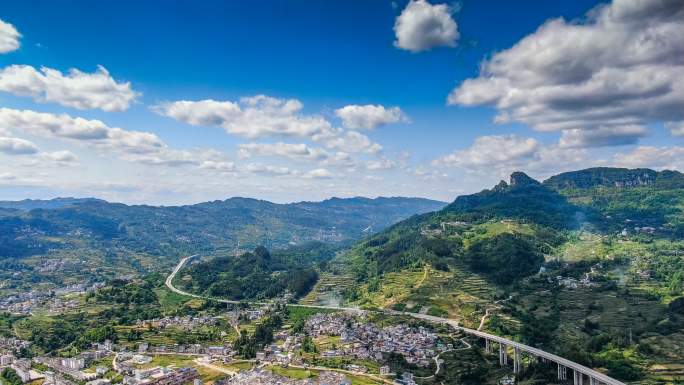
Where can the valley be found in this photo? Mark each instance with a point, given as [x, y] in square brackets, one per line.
[522, 282]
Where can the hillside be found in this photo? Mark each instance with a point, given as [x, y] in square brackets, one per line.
[588, 264]
[50, 241]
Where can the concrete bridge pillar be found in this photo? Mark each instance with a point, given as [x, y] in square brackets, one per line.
[578, 378]
[593, 381]
[503, 355]
[517, 361]
[562, 372]
[488, 346]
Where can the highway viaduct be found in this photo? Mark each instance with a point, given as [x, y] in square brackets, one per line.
[579, 372]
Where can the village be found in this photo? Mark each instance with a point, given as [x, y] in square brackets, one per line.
[356, 338]
[54, 301]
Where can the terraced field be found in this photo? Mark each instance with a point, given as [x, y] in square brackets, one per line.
[328, 290]
[457, 294]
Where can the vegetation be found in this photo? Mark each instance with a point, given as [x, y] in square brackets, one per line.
[257, 274]
[612, 235]
[9, 376]
[95, 239]
[247, 345]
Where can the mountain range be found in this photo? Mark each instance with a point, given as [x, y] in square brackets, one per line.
[72, 237]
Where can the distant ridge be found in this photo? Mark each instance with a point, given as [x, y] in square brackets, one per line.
[56, 203]
[615, 177]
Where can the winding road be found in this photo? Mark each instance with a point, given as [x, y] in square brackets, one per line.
[579, 370]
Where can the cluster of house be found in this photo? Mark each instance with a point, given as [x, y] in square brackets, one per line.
[406, 379]
[637, 229]
[73, 366]
[444, 227]
[266, 377]
[364, 340]
[125, 364]
[13, 344]
[186, 323]
[574, 283]
[24, 303]
[162, 376]
[195, 349]
[21, 366]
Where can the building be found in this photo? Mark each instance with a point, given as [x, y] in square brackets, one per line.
[73, 363]
[6, 360]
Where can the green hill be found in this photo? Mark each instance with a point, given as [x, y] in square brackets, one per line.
[588, 264]
[67, 240]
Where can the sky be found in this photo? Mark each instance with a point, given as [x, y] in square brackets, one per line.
[181, 102]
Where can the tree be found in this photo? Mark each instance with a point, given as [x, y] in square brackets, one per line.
[505, 257]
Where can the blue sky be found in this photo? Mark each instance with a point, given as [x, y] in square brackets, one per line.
[444, 98]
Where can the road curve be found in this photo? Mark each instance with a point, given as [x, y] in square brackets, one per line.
[602, 378]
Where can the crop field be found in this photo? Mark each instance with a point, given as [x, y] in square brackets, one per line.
[328, 290]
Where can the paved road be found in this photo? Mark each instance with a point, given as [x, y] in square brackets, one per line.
[602, 378]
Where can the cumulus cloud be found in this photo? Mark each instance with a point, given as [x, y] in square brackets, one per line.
[78, 129]
[501, 154]
[222, 166]
[17, 146]
[622, 66]
[265, 116]
[287, 150]
[490, 150]
[64, 157]
[602, 136]
[319, 173]
[676, 128]
[380, 164]
[352, 141]
[76, 89]
[369, 116]
[257, 168]
[251, 117]
[9, 37]
[422, 26]
[652, 157]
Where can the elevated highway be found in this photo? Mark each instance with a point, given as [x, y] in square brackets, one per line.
[579, 372]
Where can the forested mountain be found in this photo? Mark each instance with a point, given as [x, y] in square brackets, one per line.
[31, 204]
[259, 274]
[616, 177]
[588, 264]
[47, 240]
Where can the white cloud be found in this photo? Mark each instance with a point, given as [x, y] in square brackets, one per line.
[352, 141]
[206, 112]
[422, 26]
[499, 155]
[9, 37]
[287, 150]
[319, 173]
[221, 166]
[602, 136]
[264, 116]
[257, 168]
[380, 164]
[5, 176]
[490, 150]
[78, 129]
[251, 117]
[369, 116]
[61, 157]
[676, 128]
[653, 157]
[621, 66]
[164, 157]
[17, 146]
[76, 89]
